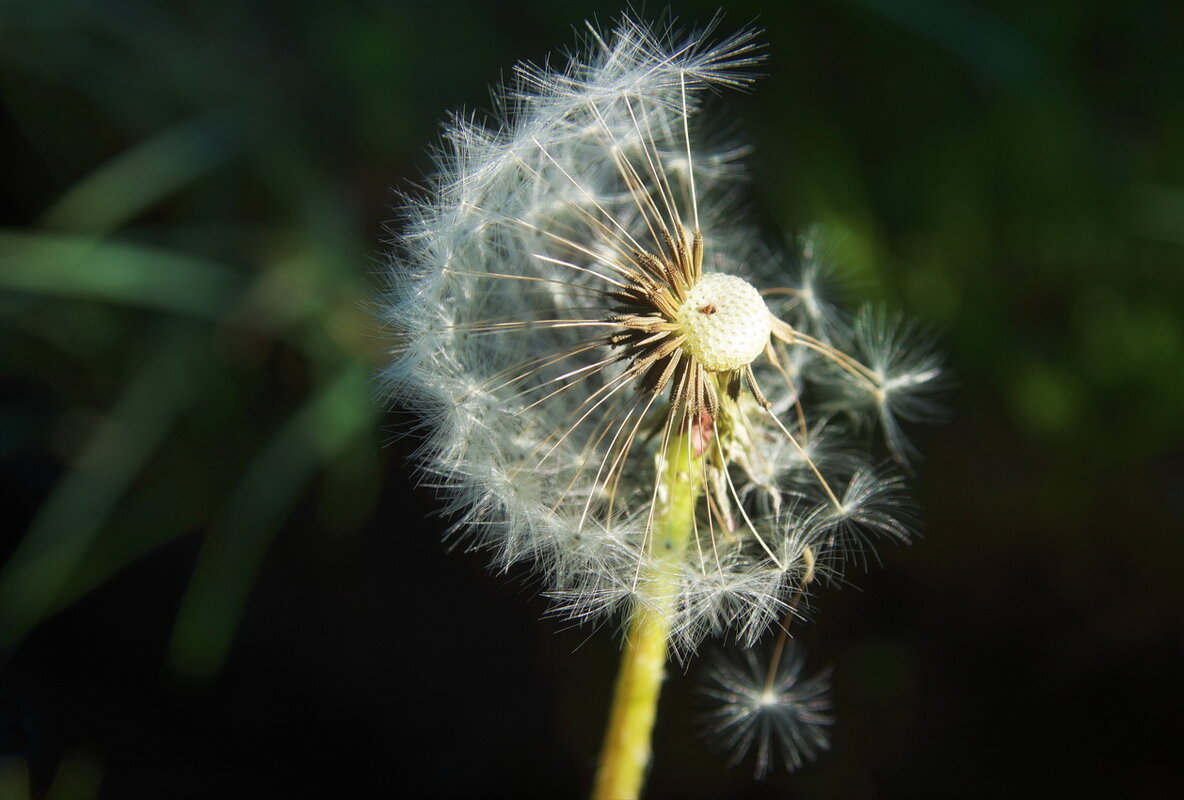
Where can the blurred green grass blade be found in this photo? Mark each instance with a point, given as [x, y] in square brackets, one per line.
[73, 515]
[85, 267]
[230, 557]
[134, 181]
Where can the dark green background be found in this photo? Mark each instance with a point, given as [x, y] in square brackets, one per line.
[219, 580]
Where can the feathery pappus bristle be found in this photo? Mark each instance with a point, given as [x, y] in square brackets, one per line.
[768, 710]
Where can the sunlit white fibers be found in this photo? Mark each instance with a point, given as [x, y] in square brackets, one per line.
[574, 292]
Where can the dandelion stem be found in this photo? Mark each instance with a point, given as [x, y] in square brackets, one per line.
[627, 743]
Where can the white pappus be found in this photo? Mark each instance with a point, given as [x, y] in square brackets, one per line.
[575, 287]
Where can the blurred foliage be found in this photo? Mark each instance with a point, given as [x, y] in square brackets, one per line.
[194, 195]
[185, 319]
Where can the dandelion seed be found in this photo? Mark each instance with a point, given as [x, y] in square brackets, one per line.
[619, 387]
[766, 714]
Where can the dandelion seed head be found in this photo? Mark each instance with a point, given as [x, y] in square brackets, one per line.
[574, 289]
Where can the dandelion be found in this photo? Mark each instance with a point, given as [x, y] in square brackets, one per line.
[618, 384]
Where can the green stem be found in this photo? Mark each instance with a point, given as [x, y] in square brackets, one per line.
[627, 743]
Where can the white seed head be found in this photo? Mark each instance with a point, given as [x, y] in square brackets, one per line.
[574, 288]
[725, 321]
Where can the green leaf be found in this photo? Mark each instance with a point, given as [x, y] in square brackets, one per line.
[85, 267]
[134, 181]
[68, 522]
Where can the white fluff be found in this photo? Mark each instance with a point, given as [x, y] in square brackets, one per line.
[497, 304]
